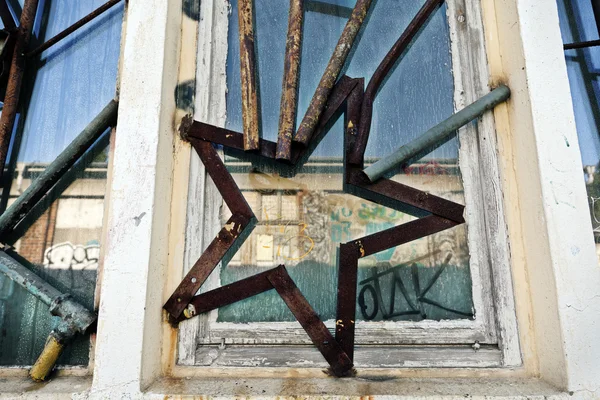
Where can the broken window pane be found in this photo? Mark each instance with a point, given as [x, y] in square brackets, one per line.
[303, 219]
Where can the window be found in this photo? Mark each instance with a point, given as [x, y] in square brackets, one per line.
[451, 290]
[578, 25]
[65, 87]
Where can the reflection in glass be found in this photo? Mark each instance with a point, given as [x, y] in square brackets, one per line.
[577, 24]
[65, 90]
[303, 219]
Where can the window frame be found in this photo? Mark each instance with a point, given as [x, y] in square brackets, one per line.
[493, 334]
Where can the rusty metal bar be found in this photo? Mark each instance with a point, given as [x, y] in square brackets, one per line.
[340, 363]
[331, 74]
[402, 234]
[383, 70]
[83, 21]
[352, 121]
[228, 294]
[15, 79]
[248, 74]
[54, 172]
[291, 79]
[228, 239]
[401, 197]
[6, 16]
[581, 45]
[346, 297]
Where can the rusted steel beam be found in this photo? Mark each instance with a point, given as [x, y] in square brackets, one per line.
[248, 75]
[402, 234]
[340, 363]
[228, 294]
[237, 228]
[291, 78]
[346, 297]
[335, 65]
[15, 78]
[7, 19]
[384, 69]
[335, 105]
[352, 121]
[398, 196]
[83, 21]
[233, 140]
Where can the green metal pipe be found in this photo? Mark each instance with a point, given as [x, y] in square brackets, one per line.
[76, 316]
[38, 188]
[437, 134]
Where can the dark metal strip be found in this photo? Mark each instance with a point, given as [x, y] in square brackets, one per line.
[402, 197]
[332, 72]
[228, 238]
[228, 294]
[402, 234]
[83, 21]
[582, 45]
[222, 178]
[340, 363]
[15, 78]
[346, 297]
[291, 79]
[596, 8]
[384, 69]
[248, 74]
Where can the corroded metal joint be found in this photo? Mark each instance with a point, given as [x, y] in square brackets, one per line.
[74, 315]
[184, 127]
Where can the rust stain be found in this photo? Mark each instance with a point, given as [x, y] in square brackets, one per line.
[291, 78]
[248, 74]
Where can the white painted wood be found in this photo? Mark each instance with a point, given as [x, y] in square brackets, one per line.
[204, 201]
[488, 238]
[365, 357]
[128, 350]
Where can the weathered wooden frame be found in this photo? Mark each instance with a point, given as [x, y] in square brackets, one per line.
[495, 304]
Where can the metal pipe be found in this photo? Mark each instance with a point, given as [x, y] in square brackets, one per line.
[438, 133]
[581, 45]
[291, 78]
[383, 70]
[75, 317]
[54, 171]
[334, 67]
[248, 72]
[83, 21]
[15, 78]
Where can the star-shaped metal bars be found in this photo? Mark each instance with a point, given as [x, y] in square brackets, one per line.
[347, 97]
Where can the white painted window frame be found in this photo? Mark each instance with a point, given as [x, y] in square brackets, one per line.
[494, 327]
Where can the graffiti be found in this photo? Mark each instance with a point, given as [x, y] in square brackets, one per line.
[286, 238]
[73, 257]
[372, 288]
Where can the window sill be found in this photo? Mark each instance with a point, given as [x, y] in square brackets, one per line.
[440, 388]
[22, 387]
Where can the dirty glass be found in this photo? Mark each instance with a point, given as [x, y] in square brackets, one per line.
[65, 89]
[577, 24]
[303, 219]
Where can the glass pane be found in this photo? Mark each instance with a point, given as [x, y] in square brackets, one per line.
[61, 237]
[303, 219]
[577, 24]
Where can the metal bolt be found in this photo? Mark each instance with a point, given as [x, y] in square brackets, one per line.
[193, 280]
[461, 18]
[179, 299]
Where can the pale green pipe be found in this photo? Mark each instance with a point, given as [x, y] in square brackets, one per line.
[438, 133]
